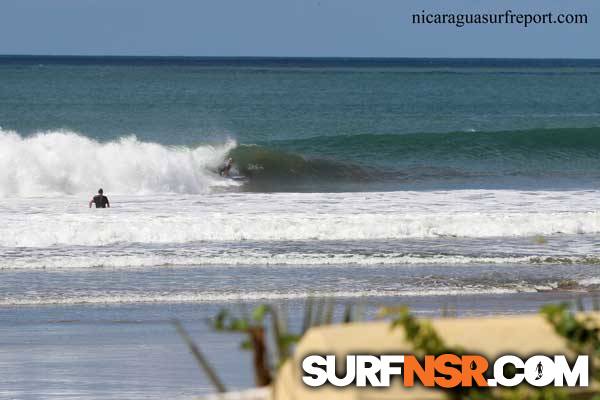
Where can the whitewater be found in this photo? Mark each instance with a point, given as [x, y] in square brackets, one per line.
[310, 229]
[65, 162]
[170, 208]
[66, 220]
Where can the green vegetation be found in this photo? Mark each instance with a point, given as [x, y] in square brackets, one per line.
[421, 334]
[582, 334]
[270, 322]
[268, 335]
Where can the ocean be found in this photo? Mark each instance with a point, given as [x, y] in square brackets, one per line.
[462, 183]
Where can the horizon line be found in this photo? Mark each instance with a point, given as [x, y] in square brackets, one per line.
[296, 57]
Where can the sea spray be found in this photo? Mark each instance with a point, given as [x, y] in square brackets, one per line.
[64, 162]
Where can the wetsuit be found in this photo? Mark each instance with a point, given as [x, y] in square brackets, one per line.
[101, 201]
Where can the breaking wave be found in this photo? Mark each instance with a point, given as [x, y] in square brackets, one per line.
[424, 156]
[63, 162]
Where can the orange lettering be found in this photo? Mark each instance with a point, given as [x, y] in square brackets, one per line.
[425, 374]
[473, 368]
[453, 374]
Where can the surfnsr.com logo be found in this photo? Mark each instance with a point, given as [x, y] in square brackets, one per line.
[445, 371]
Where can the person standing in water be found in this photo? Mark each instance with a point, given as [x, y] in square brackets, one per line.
[100, 200]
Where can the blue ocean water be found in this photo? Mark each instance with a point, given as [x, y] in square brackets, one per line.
[422, 181]
[322, 122]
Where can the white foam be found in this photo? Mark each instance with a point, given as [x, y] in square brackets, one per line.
[249, 258]
[183, 218]
[214, 297]
[589, 281]
[110, 228]
[63, 162]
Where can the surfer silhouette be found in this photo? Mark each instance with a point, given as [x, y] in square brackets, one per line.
[100, 200]
[540, 369]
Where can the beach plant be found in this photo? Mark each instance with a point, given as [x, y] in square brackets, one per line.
[421, 334]
[581, 331]
[269, 321]
[256, 338]
[426, 341]
[267, 334]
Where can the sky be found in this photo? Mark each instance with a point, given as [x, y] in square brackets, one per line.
[301, 28]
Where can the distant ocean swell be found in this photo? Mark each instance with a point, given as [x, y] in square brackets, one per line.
[518, 144]
[62, 162]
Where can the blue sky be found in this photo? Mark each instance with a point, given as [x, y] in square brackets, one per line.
[357, 28]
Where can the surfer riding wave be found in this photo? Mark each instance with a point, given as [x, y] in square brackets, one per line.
[224, 170]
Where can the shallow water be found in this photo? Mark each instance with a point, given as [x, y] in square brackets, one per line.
[131, 351]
